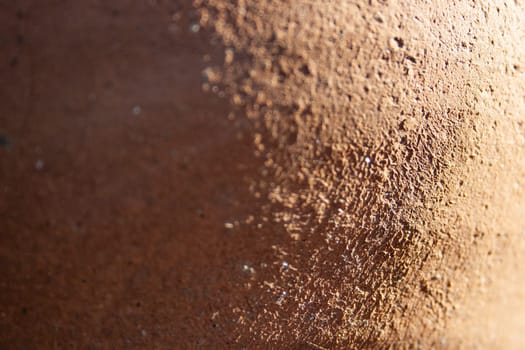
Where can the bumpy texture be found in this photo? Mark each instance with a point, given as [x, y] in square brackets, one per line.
[393, 141]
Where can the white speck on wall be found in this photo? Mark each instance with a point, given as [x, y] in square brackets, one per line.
[136, 110]
[248, 269]
[39, 164]
[195, 27]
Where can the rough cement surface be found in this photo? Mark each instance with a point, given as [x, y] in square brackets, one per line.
[393, 141]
